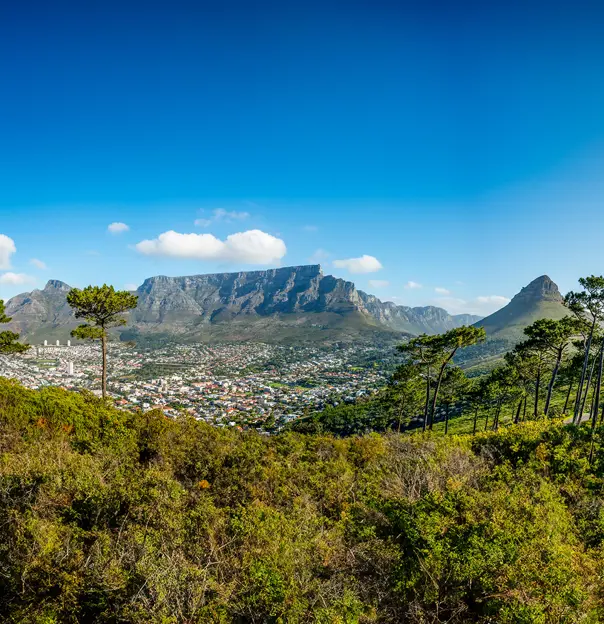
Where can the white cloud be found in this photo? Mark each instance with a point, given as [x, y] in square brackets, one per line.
[220, 214]
[202, 222]
[7, 249]
[130, 286]
[379, 283]
[442, 291]
[364, 264]
[38, 264]
[251, 247]
[117, 227]
[14, 279]
[481, 306]
[413, 285]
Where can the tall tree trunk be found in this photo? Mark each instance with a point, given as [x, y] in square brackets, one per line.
[524, 407]
[537, 387]
[570, 389]
[486, 421]
[597, 392]
[592, 403]
[588, 384]
[475, 421]
[517, 418]
[447, 408]
[576, 415]
[427, 404]
[497, 413]
[400, 416]
[104, 372]
[439, 379]
[550, 388]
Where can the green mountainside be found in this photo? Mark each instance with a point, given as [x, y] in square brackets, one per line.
[539, 299]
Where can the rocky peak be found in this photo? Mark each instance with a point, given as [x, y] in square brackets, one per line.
[54, 285]
[540, 289]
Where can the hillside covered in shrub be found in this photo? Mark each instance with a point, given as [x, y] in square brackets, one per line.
[112, 516]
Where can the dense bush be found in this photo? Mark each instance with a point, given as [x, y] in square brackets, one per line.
[111, 516]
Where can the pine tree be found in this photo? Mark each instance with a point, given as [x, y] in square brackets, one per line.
[101, 307]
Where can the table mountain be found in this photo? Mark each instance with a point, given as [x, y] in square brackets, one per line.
[275, 304]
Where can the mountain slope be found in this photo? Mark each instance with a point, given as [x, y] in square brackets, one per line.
[287, 303]
[42, 314]
[505, 328]
[540, 299]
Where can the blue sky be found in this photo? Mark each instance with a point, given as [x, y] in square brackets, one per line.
[451, 146]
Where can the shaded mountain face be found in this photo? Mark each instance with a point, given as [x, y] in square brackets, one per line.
[301, 291]
[41, 310]
[292, 301]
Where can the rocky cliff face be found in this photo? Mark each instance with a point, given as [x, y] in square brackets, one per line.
[419, 320]
[290, 290]
[223, 296]
[540, 289]
[198, 303]
[47, 307]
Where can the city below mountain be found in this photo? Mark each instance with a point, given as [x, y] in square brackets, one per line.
[278, 305]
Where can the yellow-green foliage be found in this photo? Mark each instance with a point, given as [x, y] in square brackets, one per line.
[111, 516]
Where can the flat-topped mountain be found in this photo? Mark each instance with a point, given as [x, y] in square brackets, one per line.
[274, 304]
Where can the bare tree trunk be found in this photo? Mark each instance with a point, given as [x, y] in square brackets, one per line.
[441, 372]
[400, 417]
[496, 421]
[104, 373]
[537, 387]
[486, 421]
[524, 408]
[517, 418]
[597, 392]
[592, 403]
[576, 415]
[570, 389]
[550, 388]
[475, 421]
[447, 418]
[589, 378]
[427, 404]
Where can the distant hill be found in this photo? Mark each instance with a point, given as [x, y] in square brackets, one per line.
[540, 299]
[42, 314]
[505, 328]
[276, 305]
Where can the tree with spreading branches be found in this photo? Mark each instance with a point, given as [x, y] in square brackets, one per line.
[554, 338]
[446, 346]
[588, 306]
[101, 307]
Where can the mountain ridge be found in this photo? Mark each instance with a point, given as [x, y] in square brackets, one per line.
[194, 306]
